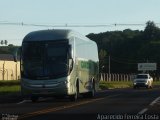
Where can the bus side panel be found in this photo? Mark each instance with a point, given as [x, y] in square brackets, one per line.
[87, 61]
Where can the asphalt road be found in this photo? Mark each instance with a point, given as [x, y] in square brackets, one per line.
[125, 103]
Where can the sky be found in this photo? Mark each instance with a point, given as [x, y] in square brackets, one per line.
[74, 12]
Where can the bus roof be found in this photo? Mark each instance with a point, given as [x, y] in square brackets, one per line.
[54, 34]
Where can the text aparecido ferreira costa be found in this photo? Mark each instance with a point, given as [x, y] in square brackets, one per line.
[127, 117]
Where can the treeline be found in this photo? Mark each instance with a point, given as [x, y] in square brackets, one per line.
[10, 49]
[127, 48]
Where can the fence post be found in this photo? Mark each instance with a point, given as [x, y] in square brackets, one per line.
[127, 77]
[101, 78]
[121, 77]
[117, 77]
[113, 77]
[16, 70]
[3, 72]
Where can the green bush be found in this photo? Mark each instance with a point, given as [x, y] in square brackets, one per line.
[114, 84]
[9, 82]
[120, 84]
[9, 89]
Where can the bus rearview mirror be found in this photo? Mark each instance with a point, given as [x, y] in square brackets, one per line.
[70, 52]
[70, 64]
[15, 54]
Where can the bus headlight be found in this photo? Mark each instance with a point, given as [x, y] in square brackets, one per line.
[68, 77]
[65, 82]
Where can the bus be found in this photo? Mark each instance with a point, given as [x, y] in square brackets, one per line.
[58, 62]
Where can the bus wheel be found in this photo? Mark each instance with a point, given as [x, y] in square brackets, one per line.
[151, 87]
[34, 99]
[75, 96]
[92, 93]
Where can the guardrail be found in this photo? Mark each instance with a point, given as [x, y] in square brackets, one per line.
[120, 77]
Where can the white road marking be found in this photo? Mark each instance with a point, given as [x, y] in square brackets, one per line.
[143, 111]
[52, 109]
[151, 104]
[43, 99]
[24, 101]
[155, 101]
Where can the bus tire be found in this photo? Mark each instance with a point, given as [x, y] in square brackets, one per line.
[75, 96]
[34, 99]
[90, 94]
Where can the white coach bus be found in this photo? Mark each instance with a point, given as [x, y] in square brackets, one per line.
[58, 63]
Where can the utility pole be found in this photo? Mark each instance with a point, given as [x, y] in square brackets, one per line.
[109, 68]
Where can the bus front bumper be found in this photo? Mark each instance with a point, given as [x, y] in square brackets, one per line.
[47, 88]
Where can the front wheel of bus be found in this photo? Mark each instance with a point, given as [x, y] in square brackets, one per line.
[34, 99]
[75, 96]
[92, 93]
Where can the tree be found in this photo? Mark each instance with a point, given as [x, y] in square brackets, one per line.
[10, 45]
[2, 42]
[102, 54]
[102, 58]
[5, 42]
[127, 48]
[151, 31]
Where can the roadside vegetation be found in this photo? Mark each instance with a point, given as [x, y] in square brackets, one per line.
[127, 48]
[114, 84]
[9, 89]
[9, 82]
[120, 84]
[10, 86]
[13, 86]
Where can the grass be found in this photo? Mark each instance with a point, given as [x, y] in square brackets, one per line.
[156, 83]
[9, 86]
[9, 89]
[9, 82]
[120, 84]
[13, 86]
[114, 84]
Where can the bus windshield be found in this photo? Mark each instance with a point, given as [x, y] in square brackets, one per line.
[44, 60]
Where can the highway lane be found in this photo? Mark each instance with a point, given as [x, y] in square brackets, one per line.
[108, 102]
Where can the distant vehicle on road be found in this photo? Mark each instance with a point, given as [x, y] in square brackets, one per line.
[58, 63]
[143, 80]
